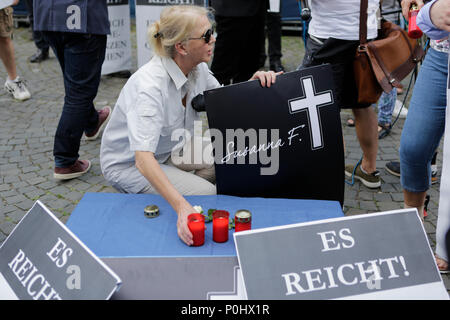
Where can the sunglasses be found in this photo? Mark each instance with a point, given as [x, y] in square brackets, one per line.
[206, 36]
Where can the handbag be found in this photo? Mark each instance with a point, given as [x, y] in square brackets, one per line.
[381, 64]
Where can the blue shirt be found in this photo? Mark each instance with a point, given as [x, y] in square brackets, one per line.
[79, 16]
[425, 24]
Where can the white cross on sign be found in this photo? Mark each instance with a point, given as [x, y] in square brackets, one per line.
[311, 101]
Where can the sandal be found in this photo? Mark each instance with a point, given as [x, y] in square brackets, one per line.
[442, 265]
[384, 130]
[350, 122]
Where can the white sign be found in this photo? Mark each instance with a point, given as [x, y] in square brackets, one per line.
[118, 43]
[6, 3]
[43, 260]
[147, 12]
[374, 256]
[274, 6]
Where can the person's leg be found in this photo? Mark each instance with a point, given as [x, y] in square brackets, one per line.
[251, 31]
[274, 37]
[366, 125]
[184, 182]
[6, 44]
[386, 105]
[197, 157]
[7, 56]
[13, 83]
[81, 62]
[423, 129]
[227, 49]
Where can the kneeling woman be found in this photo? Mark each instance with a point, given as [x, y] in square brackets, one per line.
[136, 147]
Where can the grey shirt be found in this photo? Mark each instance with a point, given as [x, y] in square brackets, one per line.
[148, 111]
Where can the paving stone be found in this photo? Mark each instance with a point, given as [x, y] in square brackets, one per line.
[17, 215]
[382, 197]
[6, 227]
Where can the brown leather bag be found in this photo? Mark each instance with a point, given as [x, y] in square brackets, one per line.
[381, 64]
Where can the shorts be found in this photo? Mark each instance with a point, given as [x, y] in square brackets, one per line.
[6, 22]
[340, 54]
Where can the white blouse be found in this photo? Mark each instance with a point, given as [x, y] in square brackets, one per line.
[148, 110]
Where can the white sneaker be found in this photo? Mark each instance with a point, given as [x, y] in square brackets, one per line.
[18, 89]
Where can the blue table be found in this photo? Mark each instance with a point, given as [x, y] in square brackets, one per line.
[114, 225]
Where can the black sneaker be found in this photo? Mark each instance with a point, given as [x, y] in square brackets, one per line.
[393, 167]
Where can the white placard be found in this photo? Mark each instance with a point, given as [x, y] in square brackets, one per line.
[274, 6]
[118, 45]
[6, 3]
[43, 260]
[145, 16]
[147, 12]
[384, 255]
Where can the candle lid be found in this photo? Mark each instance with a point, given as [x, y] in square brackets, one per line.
[243, 215]
[151, 211]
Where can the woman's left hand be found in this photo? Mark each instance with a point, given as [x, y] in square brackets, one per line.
[267, 78]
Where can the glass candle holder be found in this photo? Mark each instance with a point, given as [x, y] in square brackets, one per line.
[196, 224]
[242, 220]
[220, 225]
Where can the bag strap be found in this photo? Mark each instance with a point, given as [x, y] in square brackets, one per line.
[363, 22]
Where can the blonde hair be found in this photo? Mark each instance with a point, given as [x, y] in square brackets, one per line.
[175, 25]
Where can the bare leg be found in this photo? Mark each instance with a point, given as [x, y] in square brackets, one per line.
[414, 200]
[7, 56]
[366, 125]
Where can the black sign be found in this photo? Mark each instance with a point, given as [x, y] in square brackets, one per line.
[42, 260]
[281, 142]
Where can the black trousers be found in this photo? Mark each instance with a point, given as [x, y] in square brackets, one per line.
[39, 40]
[273, 29]
[238, 47]
[81, 58]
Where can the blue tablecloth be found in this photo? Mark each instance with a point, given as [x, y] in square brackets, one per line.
[114, 225]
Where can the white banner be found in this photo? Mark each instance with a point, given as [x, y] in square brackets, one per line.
[118, 46]
[6, 3]
[147, 12]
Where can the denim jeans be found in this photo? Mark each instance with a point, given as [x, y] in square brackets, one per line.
[80, 57]
[424, 125]
[386, 105]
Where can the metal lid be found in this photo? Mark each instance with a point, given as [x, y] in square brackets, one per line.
[243, 215]
[151, 211]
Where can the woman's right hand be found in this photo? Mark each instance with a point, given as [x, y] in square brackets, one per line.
[182, 223]
[406, 5]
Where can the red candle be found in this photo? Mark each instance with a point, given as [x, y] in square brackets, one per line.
[196, 224]
[242, 220]
[220, 225]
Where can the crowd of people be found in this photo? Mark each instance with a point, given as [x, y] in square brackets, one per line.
[136, 153]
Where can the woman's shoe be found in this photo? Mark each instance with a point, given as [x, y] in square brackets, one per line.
[384, 130]
[442, 265]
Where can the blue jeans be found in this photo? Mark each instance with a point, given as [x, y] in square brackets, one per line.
[424, 125]
[386, 105]
[80, 57]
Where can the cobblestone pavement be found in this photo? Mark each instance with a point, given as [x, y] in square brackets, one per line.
[26, 142]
